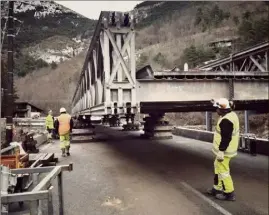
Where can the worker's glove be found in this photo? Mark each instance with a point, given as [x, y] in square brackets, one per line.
[220, 156]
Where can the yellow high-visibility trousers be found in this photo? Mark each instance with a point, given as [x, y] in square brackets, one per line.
[223, 179]
[65, 141]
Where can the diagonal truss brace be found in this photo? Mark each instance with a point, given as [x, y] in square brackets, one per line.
[120, 59]
[257, 64]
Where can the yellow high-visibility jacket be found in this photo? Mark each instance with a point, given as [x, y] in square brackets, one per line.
[64, 124]
[231, 150]
[49, 122]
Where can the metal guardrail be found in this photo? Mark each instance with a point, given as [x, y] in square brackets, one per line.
[248, 143]
[42, 191]
[9, 149]
[30, 124]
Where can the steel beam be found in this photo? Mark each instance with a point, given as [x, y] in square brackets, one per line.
[200, 74]
[26, 196]
[40, 169]
[46, 182]
[263, 47]
[198, 106]
[198, 90]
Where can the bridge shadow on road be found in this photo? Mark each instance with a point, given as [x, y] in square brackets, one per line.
[182, 159]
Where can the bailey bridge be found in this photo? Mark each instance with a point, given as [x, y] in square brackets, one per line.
[110, 85]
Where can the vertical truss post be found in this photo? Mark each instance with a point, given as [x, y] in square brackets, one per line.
[133, 68]
[267, 60]
[119, 74]
[107, 68]
[231, 88]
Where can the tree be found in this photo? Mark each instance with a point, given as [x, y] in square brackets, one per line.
[199, 16]
[53, 65]
[196, 55]
[143, 59]
[160, 58]
[252, 32]
[236, 20]
[4, 85]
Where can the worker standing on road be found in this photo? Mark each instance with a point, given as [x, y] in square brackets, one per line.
[50, 125]
[63, 126]
[225, 145]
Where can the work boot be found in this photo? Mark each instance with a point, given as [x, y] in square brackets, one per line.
[213, 192]
[226, 196]
[67, 151]
[63, 153]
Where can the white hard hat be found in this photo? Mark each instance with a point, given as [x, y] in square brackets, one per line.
[222, 103]
[62, 110]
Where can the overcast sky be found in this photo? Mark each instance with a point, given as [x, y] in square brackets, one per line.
[92, 9]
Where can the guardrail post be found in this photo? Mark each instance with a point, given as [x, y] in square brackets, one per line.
[60, 192]
[34, 205]
[253, 147]
[50, 202]
[208, 120]
[246, 113]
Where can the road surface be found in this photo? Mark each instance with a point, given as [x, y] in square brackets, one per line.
[123, 174]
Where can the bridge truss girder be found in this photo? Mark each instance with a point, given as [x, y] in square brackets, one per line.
[108, 76]
[255, 59]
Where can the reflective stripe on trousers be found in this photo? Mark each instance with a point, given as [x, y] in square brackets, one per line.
[224, 180]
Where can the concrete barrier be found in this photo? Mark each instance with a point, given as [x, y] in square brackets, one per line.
[262, 145]
[41, 138]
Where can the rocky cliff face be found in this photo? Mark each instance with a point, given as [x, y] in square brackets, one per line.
[46, 31]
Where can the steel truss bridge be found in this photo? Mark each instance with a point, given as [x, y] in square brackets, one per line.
[110, 86]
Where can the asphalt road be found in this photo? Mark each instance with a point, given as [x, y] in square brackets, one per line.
[123, 174]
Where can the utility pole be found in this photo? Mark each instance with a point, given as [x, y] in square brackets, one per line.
[9, 81]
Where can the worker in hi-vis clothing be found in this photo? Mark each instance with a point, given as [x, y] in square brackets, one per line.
[63, 126]
[50, 125]
[225, 145]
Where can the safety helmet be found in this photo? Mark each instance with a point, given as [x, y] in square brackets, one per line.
[221, 103]
[50, 111]
[62, 110]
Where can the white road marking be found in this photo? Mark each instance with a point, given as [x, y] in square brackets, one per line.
[209, 201]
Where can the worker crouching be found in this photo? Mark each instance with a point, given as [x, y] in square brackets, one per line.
[63, 126]
[225, 145]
